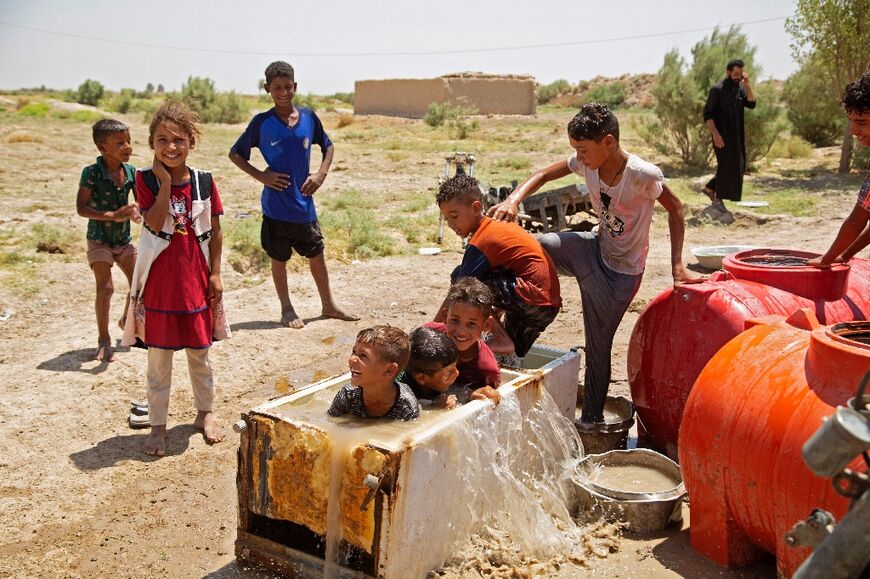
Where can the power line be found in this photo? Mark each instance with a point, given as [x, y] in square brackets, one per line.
[396, 53]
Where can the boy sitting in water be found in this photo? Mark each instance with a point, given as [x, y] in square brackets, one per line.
[379, 356]
[431, 368]
[469, 314]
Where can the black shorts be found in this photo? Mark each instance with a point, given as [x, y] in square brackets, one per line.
[280, 238]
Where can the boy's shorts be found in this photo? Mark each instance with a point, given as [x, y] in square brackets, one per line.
[101, 253]
[280, 238]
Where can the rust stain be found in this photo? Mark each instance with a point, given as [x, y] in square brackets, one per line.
[358, 527]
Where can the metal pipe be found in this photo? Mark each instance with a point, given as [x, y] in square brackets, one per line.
[846, 552]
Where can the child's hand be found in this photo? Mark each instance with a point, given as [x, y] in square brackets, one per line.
[486, 392]
[504, 211]
[215, 290]
[313, 183]
[273, 180]
[160, 171]
[135, 214]
[449, 402]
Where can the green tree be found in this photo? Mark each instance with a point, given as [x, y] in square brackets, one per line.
[90, 92]
[199, 94]
[819, 121]
[611, 94]
[834, 32]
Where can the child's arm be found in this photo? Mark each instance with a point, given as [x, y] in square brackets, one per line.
[315, 180]
[155, 215]
[486, 392]
[268, 177]
[124, 213]
[857, 245]
[507, 209]
[677, 229]
[215, 248]
[847, 238]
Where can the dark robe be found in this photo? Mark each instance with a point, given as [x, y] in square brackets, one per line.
[725, 105]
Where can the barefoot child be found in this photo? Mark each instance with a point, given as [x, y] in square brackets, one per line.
[177, 289]
[379, 356]
[432, 368]
[103, 196]
[285, 135]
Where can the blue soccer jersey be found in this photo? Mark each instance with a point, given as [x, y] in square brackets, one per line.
[286, 150]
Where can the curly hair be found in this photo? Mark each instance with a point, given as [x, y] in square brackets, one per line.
[279, 68]
[461, 187]
[105, 127]
[732, 63]
[856, 96]
[431, 351]
[390, 343]
[179, 114]
[473, 292]
[593, 123]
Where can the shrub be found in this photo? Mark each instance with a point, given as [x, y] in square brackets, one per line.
[200, 95]
[436, 114]
[611, 94]
[345, 97]
[345, 120]
[817, 120]
[455, 117]
[763, 124]
[793, 147]
[547, 92]
[34, 110]
[90, 92]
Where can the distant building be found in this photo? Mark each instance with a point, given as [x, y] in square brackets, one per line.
[488, 93]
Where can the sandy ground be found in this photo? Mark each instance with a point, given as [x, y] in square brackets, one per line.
[77, 498]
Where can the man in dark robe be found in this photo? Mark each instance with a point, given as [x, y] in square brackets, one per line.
[723, 115]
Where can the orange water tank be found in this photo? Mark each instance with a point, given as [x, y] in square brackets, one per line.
[749, 413]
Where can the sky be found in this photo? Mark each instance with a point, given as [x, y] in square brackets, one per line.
[332, 43]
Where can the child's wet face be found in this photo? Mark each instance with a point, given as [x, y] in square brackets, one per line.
[465, 323]
[442, 379]
[282, 89]
[462, 217]
[116, 148]
[591, 153]
[367, 367]
[861, 127]
[171, 146]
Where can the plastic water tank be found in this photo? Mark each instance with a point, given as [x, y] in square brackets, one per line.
[681, 329]
[752, 408]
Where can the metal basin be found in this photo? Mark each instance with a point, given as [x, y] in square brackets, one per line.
[612, 434]
[608, 486]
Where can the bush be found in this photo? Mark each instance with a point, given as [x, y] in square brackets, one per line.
[345, 120]
[763, 124]
[547, 92]
[90, 92]
[436, 114]
[200, 95]
[793, 147]
[34, 110]
[455, 117]
[611, 94]
[345, 97]
[815, 116]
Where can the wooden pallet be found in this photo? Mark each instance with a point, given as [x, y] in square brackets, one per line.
[549, 210]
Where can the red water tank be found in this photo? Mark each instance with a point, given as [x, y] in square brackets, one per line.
[752, 408]
[681, 329]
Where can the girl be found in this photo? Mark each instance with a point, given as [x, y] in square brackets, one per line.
[180, 306]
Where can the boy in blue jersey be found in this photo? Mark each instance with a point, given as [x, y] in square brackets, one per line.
[285, 135]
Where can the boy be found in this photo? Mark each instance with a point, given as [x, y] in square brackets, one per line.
[103, 197]
[285, 135]
[469, 314]
[505, 257]
[609, 261]
[854, 234]
[379, 356]
[432, 368]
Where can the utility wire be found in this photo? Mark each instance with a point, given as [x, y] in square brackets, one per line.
[396, 53]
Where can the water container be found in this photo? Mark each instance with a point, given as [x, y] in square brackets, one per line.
[749, 413]
[681, 329]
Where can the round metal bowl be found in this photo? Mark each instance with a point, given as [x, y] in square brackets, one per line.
[611, 434]
[644, 512]
[711, 256]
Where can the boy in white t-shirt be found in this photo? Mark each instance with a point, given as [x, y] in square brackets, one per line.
[609, 261]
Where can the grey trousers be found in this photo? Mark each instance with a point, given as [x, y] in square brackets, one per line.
[605, 296]
[159, 379]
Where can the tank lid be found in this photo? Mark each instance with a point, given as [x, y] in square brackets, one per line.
[787, 269]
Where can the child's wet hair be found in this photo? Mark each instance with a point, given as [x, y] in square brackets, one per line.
[279, 68]
[431, 351]
[106, 127]
[856, 96]
[390, 343]
[473, 292]
[179, 114]
[461, 187]
[594, 122]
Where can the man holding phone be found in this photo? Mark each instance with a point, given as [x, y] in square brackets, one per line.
[723, 115]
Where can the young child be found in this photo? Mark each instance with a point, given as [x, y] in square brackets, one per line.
[854, 234]
[103, 198]
[379, 356]
[469, 313]
[285, 135]
[176, 295]
[608, 262]
[505, 257]
[432, 368]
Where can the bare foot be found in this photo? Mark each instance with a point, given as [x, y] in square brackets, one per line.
[105, 353]
[289, 319]
[211, 430]
[155, 444]
[709, 193]
[338, 314]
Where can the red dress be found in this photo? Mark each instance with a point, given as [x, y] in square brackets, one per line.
[177, 314]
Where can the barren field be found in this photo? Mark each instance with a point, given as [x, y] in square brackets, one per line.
[77, 498]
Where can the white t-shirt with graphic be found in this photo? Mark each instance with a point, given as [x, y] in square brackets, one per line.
[625, 210]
